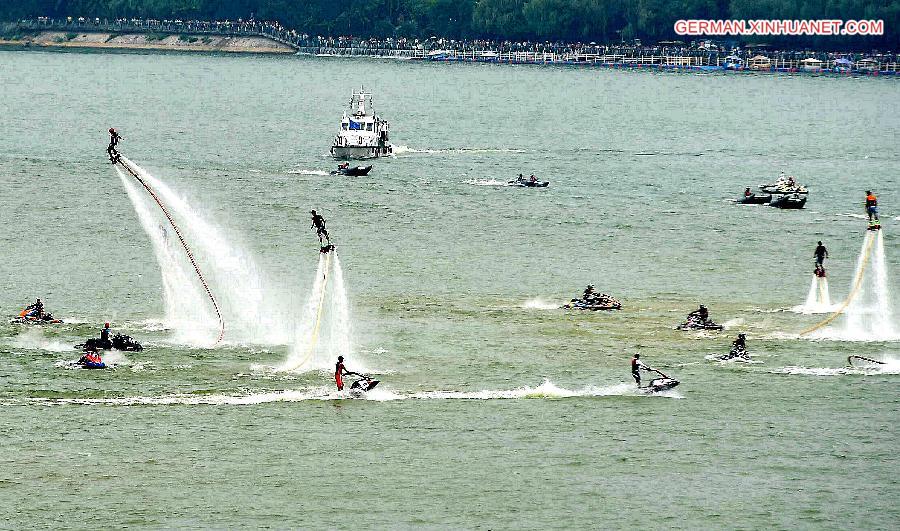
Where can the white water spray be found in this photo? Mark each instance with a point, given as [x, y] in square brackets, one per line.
[317, 346]
[818, 298]
[870, 315]
[250, 311]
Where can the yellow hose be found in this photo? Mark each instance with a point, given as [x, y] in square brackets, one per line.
[857, 284]
[314, 338]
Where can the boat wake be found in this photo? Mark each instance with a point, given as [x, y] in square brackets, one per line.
[487, 182]
[546, 390]
[403, 150]
[539, 304]
[891, 367]
[34, 339]
[309, 172]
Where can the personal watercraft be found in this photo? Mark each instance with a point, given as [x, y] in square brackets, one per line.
[694, 322]
[365, 383]
[32, 319]
[663, 383]
[863, 358]
[737, 353]
[91, 362]
[118, 342]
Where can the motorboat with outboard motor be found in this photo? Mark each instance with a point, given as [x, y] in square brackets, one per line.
[695, 322]
[784, 185]
[663, 383]
[360, 386]
[118, 342]
[363, 134]
[352, 171]
[528, 183]
[792, 201]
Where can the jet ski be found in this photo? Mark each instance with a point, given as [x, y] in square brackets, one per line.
[365, 383]
[694, 322]
[118, 342]
[355, 171]
[521, 181]
[793, 201]
[863, 358]
[663, 383]
[33, 319]
[737, 353]
[603, 302]
[754, 199]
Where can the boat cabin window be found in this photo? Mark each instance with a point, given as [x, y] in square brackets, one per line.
[344, 126]
[369, 126]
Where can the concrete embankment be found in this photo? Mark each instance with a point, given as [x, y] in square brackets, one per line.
[150, 41]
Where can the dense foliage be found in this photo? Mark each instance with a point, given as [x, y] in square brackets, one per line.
[569, 20]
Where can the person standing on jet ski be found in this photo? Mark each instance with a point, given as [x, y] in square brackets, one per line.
[740, 343]
[114, 139]
[318, 223]
[340, 371]
[636, 366]
[36, 310]
[104, 334]
[821, 253]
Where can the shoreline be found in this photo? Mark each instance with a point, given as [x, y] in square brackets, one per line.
[139, 41]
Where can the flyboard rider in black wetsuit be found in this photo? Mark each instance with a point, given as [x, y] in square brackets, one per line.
[111, 150]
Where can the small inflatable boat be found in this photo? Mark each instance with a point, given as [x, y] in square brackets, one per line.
[87, 363]
[355, 171]
[754, 199]
[792, 201]
[529, 184]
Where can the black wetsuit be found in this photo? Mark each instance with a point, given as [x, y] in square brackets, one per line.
[636, 366]
[111, 150]
[318, 223]
[821, 254]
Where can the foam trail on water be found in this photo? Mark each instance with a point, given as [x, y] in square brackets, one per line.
[251, 313]
[188, 311]
[539, 304]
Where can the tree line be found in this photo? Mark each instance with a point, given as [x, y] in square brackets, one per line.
[602, 21]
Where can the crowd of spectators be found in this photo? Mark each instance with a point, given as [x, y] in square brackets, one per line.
[709, 51]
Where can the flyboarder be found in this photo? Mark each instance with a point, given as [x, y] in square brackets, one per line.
[340, 371]
[318, 223]
[636, 366]
[821, 253]
[872, 210]
[114, 139]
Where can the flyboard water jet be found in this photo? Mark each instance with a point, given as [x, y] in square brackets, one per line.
[872, 245]
[116, 158]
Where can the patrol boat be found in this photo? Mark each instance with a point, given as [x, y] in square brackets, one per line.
[363, 134]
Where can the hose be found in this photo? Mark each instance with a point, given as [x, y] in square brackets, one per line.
[857, 284]
[184, 244]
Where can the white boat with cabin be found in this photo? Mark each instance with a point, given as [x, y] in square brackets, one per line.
[363, 134]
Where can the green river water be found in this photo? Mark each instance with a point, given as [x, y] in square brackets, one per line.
[496, 410]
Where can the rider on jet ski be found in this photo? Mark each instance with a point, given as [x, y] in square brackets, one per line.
[35, 310]
[702, 312]
[636, 366]
[340, 371]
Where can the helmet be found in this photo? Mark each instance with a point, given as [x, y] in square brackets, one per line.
[106, 325]
[112, 130]
[340, 358]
